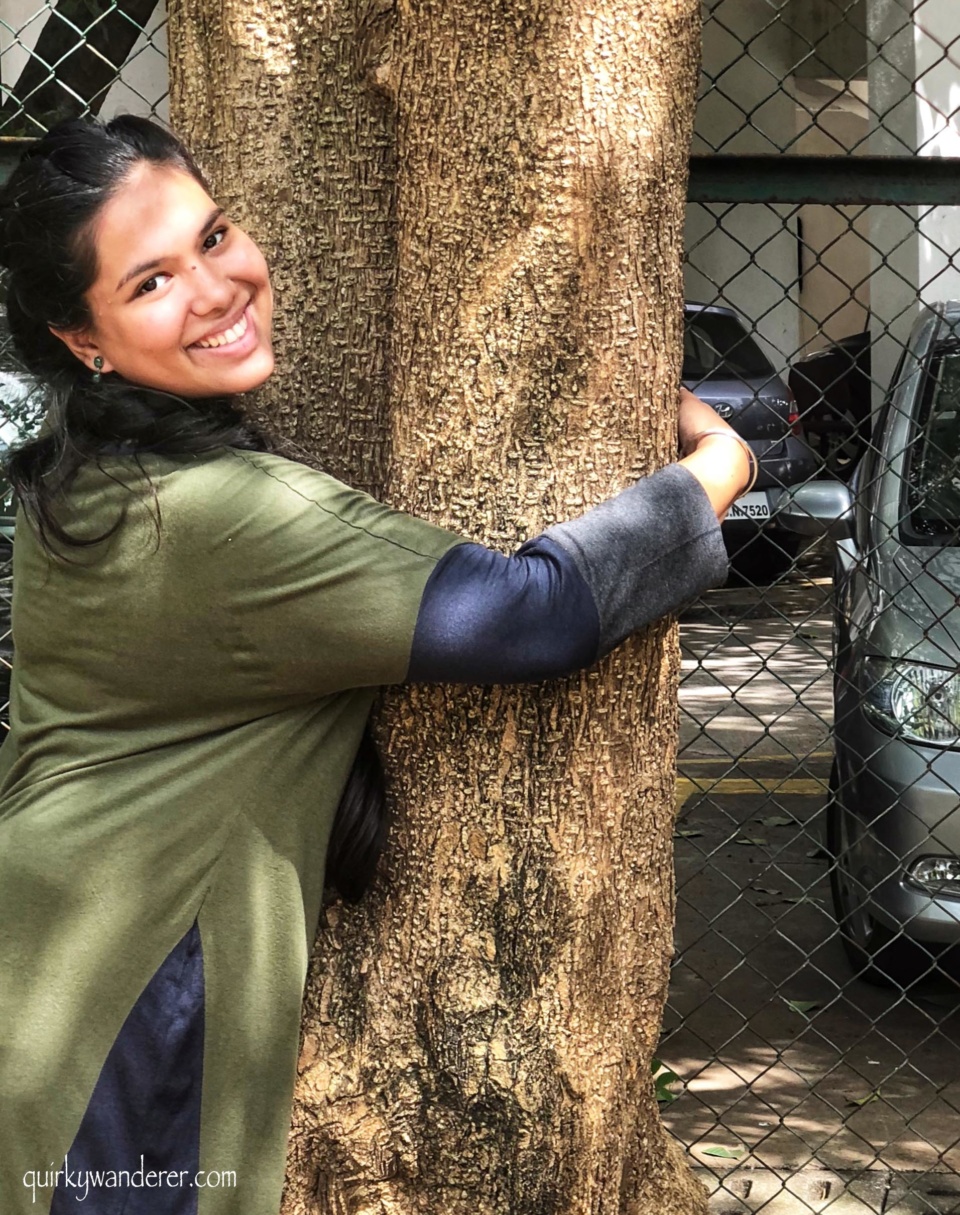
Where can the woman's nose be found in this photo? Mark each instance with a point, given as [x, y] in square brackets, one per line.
[212, 289]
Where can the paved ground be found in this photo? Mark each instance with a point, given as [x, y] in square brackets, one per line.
[848, 1099]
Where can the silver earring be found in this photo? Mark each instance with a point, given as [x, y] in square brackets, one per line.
[98, 367]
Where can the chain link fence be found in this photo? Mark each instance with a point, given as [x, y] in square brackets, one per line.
[812, 1020]
[811, 1057]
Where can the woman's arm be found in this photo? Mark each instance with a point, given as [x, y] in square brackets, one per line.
[328, 589]
[721, 465]
[571, 594]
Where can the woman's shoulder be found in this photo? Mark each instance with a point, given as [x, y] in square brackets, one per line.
[233, 480]
[287, 502]
[215, 492]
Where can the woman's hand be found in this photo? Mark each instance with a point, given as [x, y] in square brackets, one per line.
[720, 464]
[693, 417]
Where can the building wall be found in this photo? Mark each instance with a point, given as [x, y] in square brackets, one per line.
[746, 255]
[913, 248]
[834, 296]
[143, 89]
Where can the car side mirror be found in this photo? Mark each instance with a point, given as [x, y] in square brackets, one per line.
[817, 508]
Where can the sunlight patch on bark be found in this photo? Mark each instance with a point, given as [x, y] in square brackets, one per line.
[263, 35]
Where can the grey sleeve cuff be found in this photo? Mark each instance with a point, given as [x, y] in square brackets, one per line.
[646, 551]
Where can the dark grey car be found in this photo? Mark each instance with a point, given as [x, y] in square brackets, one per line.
[894, 816]
[725, 367]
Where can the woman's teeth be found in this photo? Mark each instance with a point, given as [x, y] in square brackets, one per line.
[228, 335]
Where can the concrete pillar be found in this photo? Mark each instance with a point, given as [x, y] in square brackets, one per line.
[914, 102]
[745, 255]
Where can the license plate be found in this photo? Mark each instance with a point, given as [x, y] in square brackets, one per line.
[750, 506]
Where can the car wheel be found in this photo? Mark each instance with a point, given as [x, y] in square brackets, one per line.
[762, 558]
[877, 953]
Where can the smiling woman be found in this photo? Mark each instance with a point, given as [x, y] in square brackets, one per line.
[193, 315]
[200, 627]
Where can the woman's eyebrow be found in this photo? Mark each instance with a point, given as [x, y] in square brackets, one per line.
[152, 265]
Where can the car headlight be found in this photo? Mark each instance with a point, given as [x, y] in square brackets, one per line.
[913, 700]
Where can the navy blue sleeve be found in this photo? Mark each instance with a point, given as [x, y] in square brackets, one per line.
[486, 618]
[571, 594]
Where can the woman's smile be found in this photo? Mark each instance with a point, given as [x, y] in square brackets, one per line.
[236, 339]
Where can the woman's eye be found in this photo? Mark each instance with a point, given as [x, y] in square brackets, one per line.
[150, 284]
[215, 238]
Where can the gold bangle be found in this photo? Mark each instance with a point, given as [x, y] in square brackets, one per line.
[752, 460]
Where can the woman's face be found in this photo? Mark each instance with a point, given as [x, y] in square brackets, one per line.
[182, 297]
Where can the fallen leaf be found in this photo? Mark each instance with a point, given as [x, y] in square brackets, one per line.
[749, 840]
[803, 1006]
[874, 1096]
[686, 833]
[724, 1153]
[663, 1077]
[777, 820]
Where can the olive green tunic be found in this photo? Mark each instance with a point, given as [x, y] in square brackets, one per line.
[186, 703]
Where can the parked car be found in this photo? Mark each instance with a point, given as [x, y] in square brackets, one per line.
[725, 367]
[832, 389]
[893, 817]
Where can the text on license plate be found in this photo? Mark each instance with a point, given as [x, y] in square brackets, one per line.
[750, 506]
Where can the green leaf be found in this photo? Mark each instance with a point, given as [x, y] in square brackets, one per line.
[803, 1006]
[777, 820]
[874, 1096]
[725, 1153]
[749, 841]
[663, 1078]
[686, 833]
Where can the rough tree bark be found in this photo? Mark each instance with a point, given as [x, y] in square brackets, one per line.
[474, 213]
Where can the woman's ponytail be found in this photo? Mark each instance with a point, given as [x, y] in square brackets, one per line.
[360, 826]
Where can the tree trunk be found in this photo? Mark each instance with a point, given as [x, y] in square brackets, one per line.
[475, 211]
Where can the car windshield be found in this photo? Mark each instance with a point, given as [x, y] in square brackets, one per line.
[933, 479]
[716, 347]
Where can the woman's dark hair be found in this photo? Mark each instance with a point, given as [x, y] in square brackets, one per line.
[48, 211]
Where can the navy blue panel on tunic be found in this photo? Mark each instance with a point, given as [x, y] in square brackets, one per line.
[147, 1100]
[486, 618]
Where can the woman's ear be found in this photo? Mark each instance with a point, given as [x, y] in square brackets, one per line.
[81, 344]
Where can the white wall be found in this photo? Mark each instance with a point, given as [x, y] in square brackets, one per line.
[834, 297]
[27, 18]
[915, 256]
[745, 255]
[143, 85]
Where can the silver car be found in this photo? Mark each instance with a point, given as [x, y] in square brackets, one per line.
[893, 820]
